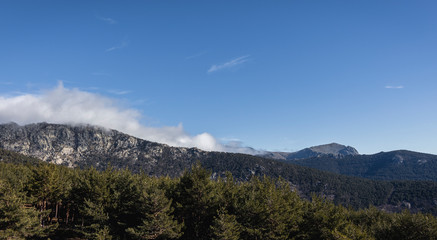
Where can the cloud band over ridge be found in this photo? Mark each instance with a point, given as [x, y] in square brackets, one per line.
[73, 106]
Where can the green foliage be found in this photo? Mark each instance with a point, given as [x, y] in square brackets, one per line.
[155, 211]
[16, 220]
[47, 186]
[344, 190]
[107, 200]
[196, 203]
[268, 209]
[323, 220]
[395, 165]
[16, 158]
[49, 201]
[412, 226]
[225, 226]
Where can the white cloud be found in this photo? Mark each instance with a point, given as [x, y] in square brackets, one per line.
[74, 106]
[119, 92]
[123, 44]
[394, 87]
[230, 64]
[106, 19]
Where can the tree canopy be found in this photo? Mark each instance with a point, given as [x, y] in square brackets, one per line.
[50, 201]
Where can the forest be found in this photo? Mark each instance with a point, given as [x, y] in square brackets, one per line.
[394, 165]
[48, 201]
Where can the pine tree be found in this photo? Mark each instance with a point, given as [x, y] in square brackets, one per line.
[228, 192]
[196, 203]
[268, 209]
[48, 186]
[407, 226]
[91, 198]
[225, 226]
[16, 220]
[323, 220]
[157, 221]
[98, 219]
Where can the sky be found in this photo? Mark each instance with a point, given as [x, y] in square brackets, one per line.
[227, 75]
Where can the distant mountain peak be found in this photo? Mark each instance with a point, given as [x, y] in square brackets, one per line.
[334, 149]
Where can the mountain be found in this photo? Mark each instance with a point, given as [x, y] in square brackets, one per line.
[394, 165]
[345, 160]
[333, 149]
[85, 146]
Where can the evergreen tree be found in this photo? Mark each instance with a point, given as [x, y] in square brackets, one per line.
[323, 220]
[225, 226]
[373, 221]
[155, 209]
[228, 192]
[114, 204]
[196, 203]
[98, 227]
[124, 201]
[91, 199]
[410, 226]
[268, 210]
[16, 220]
[48, 185]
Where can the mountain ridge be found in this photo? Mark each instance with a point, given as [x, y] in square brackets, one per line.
[393, 165]
[78, 145]
[334, 149]
[89, 146]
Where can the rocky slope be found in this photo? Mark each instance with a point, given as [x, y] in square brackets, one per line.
[84, 145]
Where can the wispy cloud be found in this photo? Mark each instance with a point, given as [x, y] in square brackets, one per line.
[233, 63]
[196, 55]
[73, 106]
[230, 139]
[394, 87]
[106, 19]
[119, 92]
[6, 83]
[123, 44]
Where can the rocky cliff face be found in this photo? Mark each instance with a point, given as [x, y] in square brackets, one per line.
[77, 146]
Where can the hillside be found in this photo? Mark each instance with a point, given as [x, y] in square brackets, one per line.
[395, 165]
[85, 146]
[333, 150]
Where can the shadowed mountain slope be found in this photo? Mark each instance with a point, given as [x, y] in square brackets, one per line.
[395, 165]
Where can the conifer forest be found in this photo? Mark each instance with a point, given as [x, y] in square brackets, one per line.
[48, 201]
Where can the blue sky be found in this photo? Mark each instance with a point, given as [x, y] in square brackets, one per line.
[272, 75]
